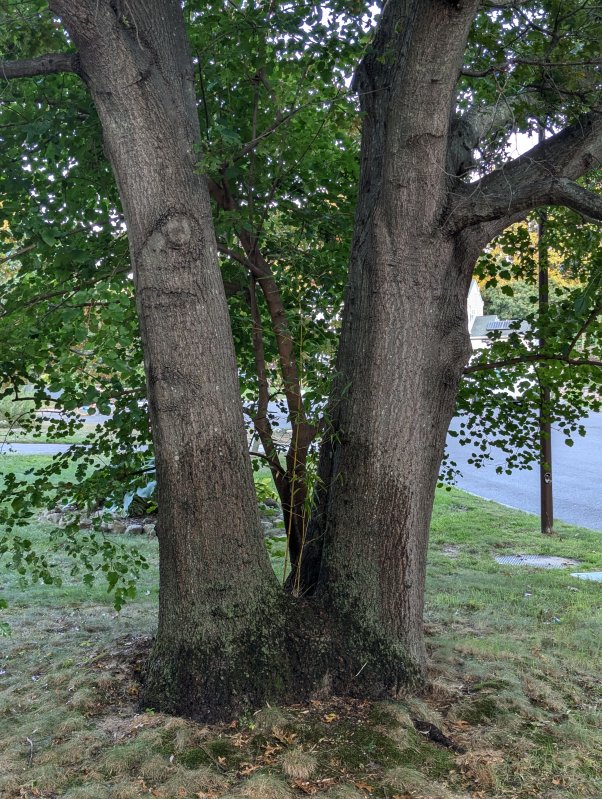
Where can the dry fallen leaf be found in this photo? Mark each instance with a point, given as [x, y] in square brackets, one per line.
[306, 787]
[238, 740]
[283, 736]
[247, 768]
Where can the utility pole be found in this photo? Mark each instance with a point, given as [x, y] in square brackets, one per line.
[545, 426]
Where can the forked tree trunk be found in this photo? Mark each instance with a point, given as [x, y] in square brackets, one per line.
[403, 347]
[220, 628]
[227, 638]
[382, 464]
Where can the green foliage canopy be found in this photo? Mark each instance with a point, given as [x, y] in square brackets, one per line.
[281, 147]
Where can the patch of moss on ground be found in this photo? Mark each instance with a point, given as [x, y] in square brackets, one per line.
[381, 715]
[481, 710]
[224, 752]
[358, 746]
[431, 759]
[195, 757]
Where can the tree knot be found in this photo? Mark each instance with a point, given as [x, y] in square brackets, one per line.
[177, 232]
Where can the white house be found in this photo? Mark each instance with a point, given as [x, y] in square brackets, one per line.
[474, 303]
[479, 325]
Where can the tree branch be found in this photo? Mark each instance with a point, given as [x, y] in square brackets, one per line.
[587, 322]
[261, 419]
[534, 358]
[277, 467]
[502, 3]
[17, 254]
[503, 66]
[542, 176]
[572, 195]
[257, 264]
[280, 120]
[235, 256]
[41, 65]
[469, 130]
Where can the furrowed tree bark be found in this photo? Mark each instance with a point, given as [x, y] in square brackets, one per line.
[220, 627]
[227, 639]
[544, 175]
[403, 347]
[41, 65]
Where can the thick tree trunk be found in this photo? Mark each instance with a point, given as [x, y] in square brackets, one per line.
[220, 626]
[228, 637]
[403, 347]
[382, 465]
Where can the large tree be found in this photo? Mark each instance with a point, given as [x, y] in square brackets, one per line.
[228, 637]
[279, 143]
[217, 586]
[423, 217]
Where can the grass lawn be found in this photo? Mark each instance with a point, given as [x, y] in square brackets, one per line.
[515, 687]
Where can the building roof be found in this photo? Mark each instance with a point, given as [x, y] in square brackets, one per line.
[483, 325]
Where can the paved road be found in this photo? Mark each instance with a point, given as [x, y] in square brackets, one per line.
[34, 448]
[40, 448]
[577, 478]
[577, 474]
[94, 419]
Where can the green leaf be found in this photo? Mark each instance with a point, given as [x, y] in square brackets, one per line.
[47, 237]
